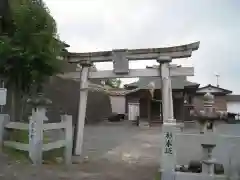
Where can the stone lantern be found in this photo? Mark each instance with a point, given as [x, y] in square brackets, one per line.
[208, 115]
[39, 104]
[206, 119]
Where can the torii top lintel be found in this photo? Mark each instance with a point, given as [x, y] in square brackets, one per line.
[182, 51]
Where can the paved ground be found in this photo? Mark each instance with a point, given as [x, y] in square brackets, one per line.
[111, 151]
[114, 152]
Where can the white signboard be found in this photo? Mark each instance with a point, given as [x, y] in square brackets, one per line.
[3, 96]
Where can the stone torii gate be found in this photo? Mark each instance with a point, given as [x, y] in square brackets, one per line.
[120, 59]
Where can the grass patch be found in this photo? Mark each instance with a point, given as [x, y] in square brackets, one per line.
[21, 136]
[53, 156]
[158, 176]
[18, 136]
[16, 155]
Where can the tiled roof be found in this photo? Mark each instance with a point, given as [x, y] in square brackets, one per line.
[103, 88]
[177, 83]
[226, 91]
[121, 92]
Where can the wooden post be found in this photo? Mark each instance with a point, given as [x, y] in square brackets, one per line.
[82, 108]
[36, 136]
[4, 119]
[168, 151]
[69, 138]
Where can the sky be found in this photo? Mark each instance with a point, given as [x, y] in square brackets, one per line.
[95, 25]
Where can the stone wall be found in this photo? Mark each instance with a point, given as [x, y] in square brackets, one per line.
[65, 96]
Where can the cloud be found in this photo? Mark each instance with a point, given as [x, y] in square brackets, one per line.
[93, 25]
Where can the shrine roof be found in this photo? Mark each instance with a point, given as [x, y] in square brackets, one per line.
[121, 92]
[177, 83]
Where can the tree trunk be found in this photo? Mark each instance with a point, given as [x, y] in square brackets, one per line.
[13, 105]
[23, 114]
[16, 104]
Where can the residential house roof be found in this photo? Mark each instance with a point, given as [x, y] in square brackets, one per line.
[213, 89]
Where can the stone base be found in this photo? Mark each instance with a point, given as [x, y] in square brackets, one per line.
[144, 124]
[191, 176]
[79, 159]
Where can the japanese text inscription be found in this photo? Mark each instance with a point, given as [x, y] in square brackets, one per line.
[168, 146]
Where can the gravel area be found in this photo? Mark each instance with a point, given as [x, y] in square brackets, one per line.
[112, 151]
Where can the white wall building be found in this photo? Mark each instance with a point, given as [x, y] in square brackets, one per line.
[118, 99]
[118, 103]
[233, 103]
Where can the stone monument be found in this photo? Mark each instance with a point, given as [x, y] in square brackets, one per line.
[36, 121]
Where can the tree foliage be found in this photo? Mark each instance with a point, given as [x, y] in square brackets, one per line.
[29, 50]
[114, 83]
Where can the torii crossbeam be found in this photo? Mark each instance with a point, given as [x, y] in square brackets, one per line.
[120, 59]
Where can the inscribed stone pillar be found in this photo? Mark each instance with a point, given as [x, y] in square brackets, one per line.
[36, 127]
[169, 124]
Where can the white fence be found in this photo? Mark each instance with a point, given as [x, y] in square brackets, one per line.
[36, 128]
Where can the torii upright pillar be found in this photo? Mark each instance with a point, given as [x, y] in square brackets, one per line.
[169, 123]
[79, 128]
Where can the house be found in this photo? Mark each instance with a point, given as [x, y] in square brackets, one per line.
[186, 96]
[118, 100]
[220, 97]
[233, 103]
[150, 106]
